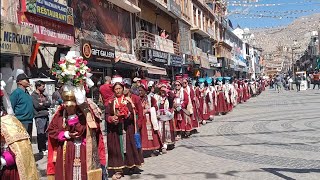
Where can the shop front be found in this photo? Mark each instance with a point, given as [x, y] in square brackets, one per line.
[205, 66]
[175, 65]
[54, 32]
[16, 43]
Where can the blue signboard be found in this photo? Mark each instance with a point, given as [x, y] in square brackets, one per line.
[50, 9]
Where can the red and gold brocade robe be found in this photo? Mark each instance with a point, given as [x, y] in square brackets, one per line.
[61, 153]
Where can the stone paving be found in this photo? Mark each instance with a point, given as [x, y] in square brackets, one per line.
[272, 136]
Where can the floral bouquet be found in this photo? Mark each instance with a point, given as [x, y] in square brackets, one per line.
[71, 71]
[122, 111]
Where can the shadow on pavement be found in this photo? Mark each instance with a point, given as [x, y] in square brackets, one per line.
[278, 172]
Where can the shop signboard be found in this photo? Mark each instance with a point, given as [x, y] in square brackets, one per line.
[187, 59]
[157, 56]
[185, 36]
[93, 51]
[50, 9]
[175, 60]
[174, 8]
[204, 61]
[212, 59]
[163, 44]
[47, 30]
[16, 39]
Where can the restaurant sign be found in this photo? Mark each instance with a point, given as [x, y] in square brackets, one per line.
[94, 51]
[175, 60]
[16, 39]
[50, 9]
[157, 56]
[47, 30]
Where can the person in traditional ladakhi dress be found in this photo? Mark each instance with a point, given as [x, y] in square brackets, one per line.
[211, 99]
[123, 151]
[201, 94]
[75, 143]
[245, 90]
[191, 107]
[221, 104]
[150, 136]
[181, 115]
[17, 160]
[165, 116]
[238, 89]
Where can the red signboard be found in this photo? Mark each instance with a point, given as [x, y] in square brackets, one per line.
[47, 30]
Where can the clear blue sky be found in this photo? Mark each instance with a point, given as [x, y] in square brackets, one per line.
[281, 14]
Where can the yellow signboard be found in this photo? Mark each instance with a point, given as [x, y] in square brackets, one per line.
[16, 39]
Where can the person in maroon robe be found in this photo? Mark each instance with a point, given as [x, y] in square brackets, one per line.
[221, 104]
[191, 93]
[203, 101]
[150, 137]
[181, 114]
[68, 144]
[165, 116]
[121, 116]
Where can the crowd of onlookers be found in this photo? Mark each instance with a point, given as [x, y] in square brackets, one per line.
[289, 82]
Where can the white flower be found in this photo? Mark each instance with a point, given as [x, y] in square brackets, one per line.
[72, 68]
[63, 66]
[63, 74]
[71, 60]
[82, 71]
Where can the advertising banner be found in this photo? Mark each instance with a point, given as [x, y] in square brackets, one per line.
[175, 60]
[50, 9]
[157, 56]
[94, 51]
[47, 30]
[16, 39]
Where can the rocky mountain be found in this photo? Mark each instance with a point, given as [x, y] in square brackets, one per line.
[276, 39]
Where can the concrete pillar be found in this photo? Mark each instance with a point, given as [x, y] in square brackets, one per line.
[197, 17]
[201, 19]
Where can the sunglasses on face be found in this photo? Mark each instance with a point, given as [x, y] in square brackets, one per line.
[178, 84]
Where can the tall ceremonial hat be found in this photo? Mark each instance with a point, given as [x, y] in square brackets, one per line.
[201, 80]
[144, 84]
[116, 79]
[209, 80]
[179, 79]
[219, 79]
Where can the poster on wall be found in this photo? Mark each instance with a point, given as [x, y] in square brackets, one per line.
[104, 22]
[52, 9]
[47, 30]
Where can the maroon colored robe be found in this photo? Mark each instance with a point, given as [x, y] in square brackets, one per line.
[154, 142]
[118, 159]
[62, 169]
[182, 120]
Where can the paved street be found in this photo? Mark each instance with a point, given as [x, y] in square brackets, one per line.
[272, 136]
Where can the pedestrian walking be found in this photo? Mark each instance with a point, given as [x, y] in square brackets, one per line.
[316, 80]
[278, 82]
[298, 82]
[41, 104]
[106, 92]
[21, 102]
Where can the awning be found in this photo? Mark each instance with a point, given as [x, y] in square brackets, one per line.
[150, 68]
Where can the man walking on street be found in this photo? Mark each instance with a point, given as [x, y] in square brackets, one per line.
[41, 104]
[298, 82]
[21, 102]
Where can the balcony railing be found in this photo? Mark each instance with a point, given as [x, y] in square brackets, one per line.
[148, 40]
